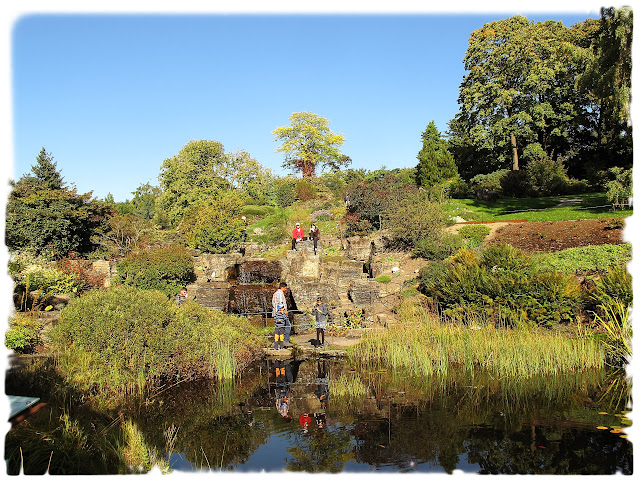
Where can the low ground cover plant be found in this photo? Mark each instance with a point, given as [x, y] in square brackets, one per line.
[23, 334]
[474, 234]
[586, 260]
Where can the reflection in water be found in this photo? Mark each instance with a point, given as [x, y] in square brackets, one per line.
[471, 422]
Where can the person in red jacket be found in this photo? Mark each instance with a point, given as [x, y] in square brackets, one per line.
[298, 234]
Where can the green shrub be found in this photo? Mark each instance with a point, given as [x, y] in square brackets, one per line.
[23, 334]
[458, 188]
[164, 268]
[515, 183]
[505, 257]
[415, 217]
[216, 226]
[620, 187]
[438, 247]
[489, 181]
[546, 176]
[474, 234]
[209, 343]
[305, 190]
[284, 192]
[256, 210]
[43, 281]
[126, 340]
[501, 287]
[612, 288]
[383, 279]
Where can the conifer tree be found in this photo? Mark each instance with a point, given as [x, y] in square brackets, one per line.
[46, 174]
[435, 163]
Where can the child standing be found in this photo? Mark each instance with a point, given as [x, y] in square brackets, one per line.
[279, 321]
[321, 313]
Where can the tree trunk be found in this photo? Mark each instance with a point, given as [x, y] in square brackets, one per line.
[515, 152]
[307, 168]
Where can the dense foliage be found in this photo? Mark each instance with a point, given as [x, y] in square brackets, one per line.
[413, 218]
[308, 143]
[125, 339]
[214, 227]
[502, 286]
[164, 268]
[48, 218]
[545, 91]
[371, 200]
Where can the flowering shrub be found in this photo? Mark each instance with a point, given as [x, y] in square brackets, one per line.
[321, 215]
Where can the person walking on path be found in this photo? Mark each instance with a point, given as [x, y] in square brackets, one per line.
[280, 298]
[314, 234]
[279, 321]
[298, 235]
[321, 313]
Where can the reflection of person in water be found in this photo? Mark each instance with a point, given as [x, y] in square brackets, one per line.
[285, 376]
[283, 386]
[304, 419]
[322, 390]
[322, 394]
[321, 419]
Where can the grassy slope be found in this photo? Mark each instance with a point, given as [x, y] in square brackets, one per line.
[535, 209]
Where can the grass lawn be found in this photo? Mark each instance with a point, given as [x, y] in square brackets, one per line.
[536, 209]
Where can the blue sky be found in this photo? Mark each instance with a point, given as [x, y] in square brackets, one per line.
[111, 96]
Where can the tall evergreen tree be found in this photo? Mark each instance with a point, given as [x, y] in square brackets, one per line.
[435, 163]
[46, 174]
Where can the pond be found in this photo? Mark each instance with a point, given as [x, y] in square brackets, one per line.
[327, 416]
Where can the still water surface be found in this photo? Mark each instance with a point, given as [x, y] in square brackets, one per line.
[327, 416]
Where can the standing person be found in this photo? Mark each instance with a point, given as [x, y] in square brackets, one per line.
[279, 297]
[298, 235]
[314, 234]
[279, 321]
[321, 312]
[181, 297]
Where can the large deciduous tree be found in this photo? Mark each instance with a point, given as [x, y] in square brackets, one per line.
[200, 171]
[309, 142]
[518, 98]
[435, 163]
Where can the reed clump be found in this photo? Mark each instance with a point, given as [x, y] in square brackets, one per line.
[348, 385]
[424, 345]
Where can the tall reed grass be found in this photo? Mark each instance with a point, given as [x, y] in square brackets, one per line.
[425, 346]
